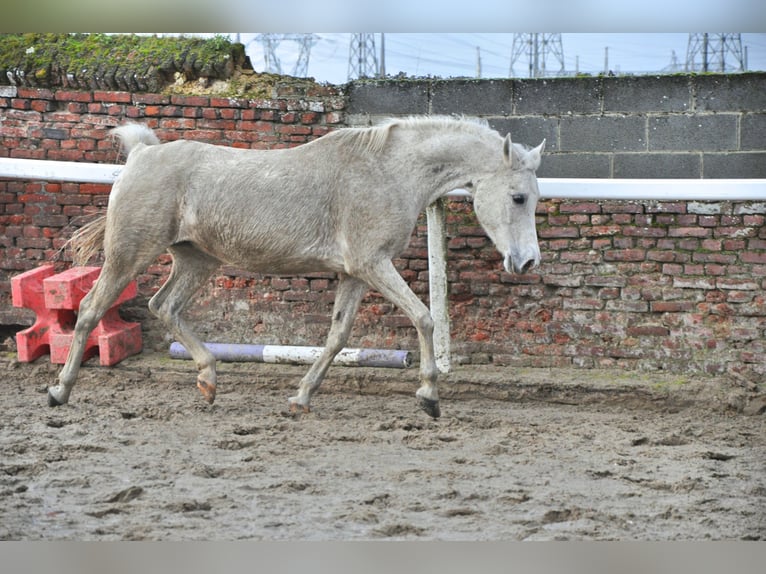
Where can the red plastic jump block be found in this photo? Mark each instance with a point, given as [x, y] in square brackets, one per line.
[27, 291]
[113, 339]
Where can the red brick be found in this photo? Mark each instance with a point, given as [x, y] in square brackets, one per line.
[694, 282]
[647, 331]
[625, 255]
[35, 93]
[113, 97]
[229, 103]
[580, 208]
[752, 257]
[320, 131]
[666, 207]
[152, 110]
[688, 232]
[309, 118]
[177, 124]
[671, 306]
[95, 188]
[65, 155]
[171, 111]
[257, 126]
[293, 129]
[42, 105]
[634, 231]
[599, 230]
[229, 114]
[219, 124]
[333, 118]
[557, 232]
[73, 96]
[200, 101]
[211, 136]
[154, 99]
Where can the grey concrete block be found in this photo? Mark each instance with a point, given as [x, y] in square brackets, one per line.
[730, 92]
[658, 165]
[529, 130]
[753, 132]
[471, 97]
[395, 97]
[575, 165]
[734, 165]
[603, 133]
[711, 132]
[647, 94]
[557, 96]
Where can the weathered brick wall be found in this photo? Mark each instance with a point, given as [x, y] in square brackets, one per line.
[36, 218]
[651, 285]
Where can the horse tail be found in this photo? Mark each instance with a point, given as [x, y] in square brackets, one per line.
[86, 242]
[130, 135]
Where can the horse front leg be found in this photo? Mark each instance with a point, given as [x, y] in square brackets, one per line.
[386, 279]
[347, 299]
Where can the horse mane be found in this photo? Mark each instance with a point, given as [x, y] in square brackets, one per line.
[373, 139]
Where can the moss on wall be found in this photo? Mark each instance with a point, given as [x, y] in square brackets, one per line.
[115, 62]
[178, 65]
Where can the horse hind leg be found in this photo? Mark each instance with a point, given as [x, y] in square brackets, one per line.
[347, 299]
[191, 268]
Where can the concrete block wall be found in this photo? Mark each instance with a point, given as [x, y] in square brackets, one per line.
[659, 285]
[625, 127]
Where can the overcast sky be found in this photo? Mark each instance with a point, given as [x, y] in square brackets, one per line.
[455, 54]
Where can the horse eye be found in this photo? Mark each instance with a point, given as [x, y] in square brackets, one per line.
[519, 199]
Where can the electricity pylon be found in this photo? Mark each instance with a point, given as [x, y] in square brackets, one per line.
[543, 52]
[363, 57]
[715, 53]
[270, 43]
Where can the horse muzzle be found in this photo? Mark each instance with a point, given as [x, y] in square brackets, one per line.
[522, 261]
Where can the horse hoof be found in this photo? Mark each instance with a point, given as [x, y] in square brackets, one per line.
[295, 409]
[207, 390]
[53, 401]
[430, 406]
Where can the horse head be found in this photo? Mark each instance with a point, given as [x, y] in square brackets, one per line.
[505, 202]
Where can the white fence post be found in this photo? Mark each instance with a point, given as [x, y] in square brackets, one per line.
[437, 281]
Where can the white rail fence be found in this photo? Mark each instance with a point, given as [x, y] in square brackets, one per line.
[550, 188]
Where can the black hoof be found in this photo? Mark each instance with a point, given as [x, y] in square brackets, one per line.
[430, 406]
[52, 401]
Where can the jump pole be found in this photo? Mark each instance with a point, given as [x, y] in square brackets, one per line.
[238, 353]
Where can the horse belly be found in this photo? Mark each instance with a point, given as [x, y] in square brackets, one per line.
[268, 254]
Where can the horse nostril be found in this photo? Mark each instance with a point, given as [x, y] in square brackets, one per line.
[528, 266]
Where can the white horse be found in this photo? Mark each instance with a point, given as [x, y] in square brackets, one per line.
[346, 203]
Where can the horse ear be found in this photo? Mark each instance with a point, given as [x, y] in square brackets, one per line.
[507, 154]
[535, 154]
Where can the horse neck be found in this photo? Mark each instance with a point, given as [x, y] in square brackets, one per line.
[441, 161]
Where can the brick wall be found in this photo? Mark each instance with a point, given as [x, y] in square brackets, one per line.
[637, 285]
[36, 218]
